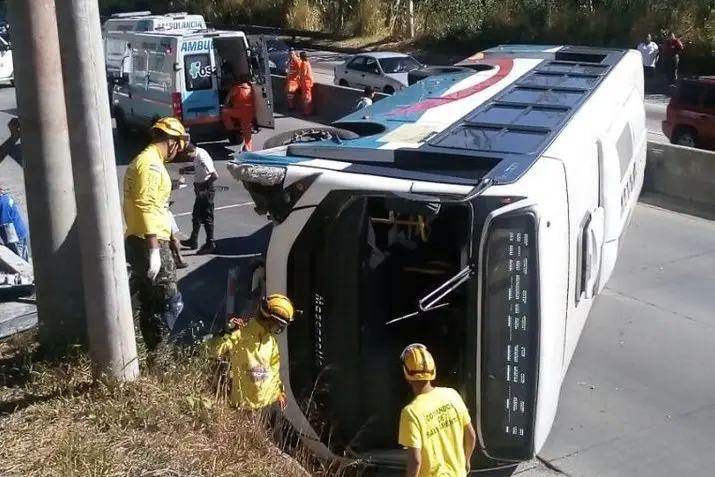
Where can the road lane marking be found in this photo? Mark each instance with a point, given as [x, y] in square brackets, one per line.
[223, 207]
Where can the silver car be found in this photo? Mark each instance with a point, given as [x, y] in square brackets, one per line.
[384, 71]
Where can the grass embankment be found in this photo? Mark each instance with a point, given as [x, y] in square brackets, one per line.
[55, 420]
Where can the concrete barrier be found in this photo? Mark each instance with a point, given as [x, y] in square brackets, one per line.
[682, 173]
[330, 102]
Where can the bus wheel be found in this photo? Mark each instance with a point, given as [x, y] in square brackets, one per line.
[308, 135]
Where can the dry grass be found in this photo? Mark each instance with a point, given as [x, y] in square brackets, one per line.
[55, 420]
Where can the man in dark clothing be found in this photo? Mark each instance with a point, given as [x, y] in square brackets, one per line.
[204, 177]
[673, 50]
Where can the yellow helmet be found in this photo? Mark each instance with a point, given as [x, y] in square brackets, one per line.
[277, 307]
[418, 363]
[172, 127]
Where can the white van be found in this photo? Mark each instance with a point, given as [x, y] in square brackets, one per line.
[480, 213]
[7, 71]
[118, 26]
[179, 74]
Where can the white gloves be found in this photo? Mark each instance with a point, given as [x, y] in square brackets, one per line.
[154, 264]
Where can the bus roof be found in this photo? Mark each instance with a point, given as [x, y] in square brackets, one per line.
[461, 127]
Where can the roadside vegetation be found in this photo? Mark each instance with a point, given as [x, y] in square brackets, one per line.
[56, 420]
[464, 26]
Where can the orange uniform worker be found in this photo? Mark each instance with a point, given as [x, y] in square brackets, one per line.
[306, 84]
[239, 108]
[292, 78]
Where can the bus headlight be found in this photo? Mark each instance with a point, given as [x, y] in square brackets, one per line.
[510, 335]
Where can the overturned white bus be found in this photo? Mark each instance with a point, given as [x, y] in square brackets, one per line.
[478, 212]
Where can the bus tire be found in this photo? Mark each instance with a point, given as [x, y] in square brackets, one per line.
[309, 135]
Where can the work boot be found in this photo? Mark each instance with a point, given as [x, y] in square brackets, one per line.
[207, 248]
[191, 243]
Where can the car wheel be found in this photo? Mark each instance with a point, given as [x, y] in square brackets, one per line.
[308, 135]
[388, 90]
[342, 82]
[685, 137]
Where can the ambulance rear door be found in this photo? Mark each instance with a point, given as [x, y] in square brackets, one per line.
[242, 56]
[199, 97]
[261, 73]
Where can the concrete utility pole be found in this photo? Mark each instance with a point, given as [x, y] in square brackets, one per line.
[109, 312]
[48, 172]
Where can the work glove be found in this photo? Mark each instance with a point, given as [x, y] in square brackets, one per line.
[154, 264]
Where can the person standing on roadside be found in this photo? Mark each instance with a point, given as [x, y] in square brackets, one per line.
[649, 52]
[239, 108]
[203, 214]
[292, 77]
[306, 84]
[435, 427]
[673, 49]
[13, 230]
[147, 188]
[366, 99]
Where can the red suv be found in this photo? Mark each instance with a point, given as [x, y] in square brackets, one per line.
[690, 117]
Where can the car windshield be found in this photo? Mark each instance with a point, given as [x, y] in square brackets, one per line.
[398, 64]
[276, 45]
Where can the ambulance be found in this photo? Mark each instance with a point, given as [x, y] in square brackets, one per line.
[181, 74]
[119, 25]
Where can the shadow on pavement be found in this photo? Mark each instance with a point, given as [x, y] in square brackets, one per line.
[126, 147]
[204, 288]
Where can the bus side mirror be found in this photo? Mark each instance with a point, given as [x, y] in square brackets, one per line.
[177, 67]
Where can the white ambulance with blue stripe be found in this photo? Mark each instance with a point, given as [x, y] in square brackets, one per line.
[480, 213]
[180, 74]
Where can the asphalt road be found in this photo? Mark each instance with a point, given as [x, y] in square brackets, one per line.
[638, 399]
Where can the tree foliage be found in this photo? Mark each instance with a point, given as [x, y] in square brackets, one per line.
[467, 22]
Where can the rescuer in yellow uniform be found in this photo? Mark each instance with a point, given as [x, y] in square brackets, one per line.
[147, 187]
[435, 427]
[254, 357]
